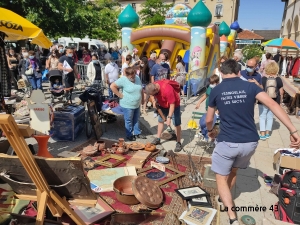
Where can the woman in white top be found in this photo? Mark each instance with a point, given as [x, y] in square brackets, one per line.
[94, 70]
[126, 64]
[219, 65]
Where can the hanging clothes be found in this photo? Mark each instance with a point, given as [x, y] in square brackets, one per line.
[296, 67]
[4, 74]
[284, 66]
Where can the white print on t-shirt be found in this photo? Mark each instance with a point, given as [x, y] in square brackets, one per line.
[233, 97]
[162, 73]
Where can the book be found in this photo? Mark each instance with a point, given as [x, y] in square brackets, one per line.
[138, 159]
[92, 214]
[197, 215]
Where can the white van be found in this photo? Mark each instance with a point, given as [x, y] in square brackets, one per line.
[86, 42]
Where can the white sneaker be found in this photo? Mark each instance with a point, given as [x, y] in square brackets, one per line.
[235, 223]
[199, 135]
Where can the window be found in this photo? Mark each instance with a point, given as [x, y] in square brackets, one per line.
[219, 10]
[186, 1]
[133, 6]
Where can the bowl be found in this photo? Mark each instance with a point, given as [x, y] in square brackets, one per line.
[123, 189]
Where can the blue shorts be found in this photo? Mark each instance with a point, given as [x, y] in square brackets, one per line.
[227, 155]
[176, 117]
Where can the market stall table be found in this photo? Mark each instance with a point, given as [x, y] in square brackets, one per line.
[293, 90]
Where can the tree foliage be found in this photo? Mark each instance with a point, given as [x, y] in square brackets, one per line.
[251, 51]
[153, 12]
[108, 28]
[70, 18]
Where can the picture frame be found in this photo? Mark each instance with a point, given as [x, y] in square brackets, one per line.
[103, 161]
[92, 214]
[201, 201]
[167, 180]
[198, 215]
[191, 192]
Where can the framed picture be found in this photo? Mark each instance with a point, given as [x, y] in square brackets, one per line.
[92, 214]
[198, 215]
[201, 201]
[191, 192]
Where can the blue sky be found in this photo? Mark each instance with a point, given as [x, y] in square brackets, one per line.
[260, 14]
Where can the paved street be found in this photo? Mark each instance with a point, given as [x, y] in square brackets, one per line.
[250, 189]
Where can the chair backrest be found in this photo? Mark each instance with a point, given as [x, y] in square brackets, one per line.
[197, 115]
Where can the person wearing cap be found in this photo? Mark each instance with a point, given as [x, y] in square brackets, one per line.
[111, 74]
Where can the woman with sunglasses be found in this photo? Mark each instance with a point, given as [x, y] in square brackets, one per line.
[131, 97]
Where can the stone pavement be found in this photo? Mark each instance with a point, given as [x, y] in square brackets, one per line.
[250, 189]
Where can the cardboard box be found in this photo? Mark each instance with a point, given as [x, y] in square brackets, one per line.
[25, 130]
[288, 162]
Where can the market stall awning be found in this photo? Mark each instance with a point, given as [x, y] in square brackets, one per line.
[18, 28]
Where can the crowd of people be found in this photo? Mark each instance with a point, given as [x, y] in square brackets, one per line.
[143, 79]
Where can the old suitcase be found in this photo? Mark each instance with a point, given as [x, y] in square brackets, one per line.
[68, 123]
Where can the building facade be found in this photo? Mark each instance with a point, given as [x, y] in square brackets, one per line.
[290, 20]
[216, 7]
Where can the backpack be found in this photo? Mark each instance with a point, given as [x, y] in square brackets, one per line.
[175, 85]
[271, 86]
[280, 214]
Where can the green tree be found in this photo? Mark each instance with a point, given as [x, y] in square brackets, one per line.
[251, 51]
[153, 12]
[107, 28]
[71, 18]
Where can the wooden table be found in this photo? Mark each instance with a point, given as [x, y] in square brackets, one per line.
[293, 90]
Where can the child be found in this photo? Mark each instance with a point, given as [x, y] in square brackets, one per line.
[213, 81]
[57, 85]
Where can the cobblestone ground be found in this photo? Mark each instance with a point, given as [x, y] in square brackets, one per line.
[113, 130]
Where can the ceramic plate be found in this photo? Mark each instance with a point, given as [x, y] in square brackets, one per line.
[156, 175]
[161, 159]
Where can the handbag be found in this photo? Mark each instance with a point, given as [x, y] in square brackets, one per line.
[29, 72]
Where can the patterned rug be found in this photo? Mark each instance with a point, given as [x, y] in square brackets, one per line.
[172, 202]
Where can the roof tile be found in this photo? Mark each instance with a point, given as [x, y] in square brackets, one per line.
[249, 35]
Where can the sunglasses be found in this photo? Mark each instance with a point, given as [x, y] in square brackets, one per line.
[251, 67]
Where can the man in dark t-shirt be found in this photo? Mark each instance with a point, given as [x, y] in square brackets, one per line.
[160, 70]
[67, 65]
[250, 73]
[238, 137]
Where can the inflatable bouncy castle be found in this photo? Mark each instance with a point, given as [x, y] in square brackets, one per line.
[187, 32]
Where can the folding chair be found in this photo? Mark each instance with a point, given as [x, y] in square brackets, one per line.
[203, 143]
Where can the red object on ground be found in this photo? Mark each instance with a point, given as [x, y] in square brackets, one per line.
[42, 141]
